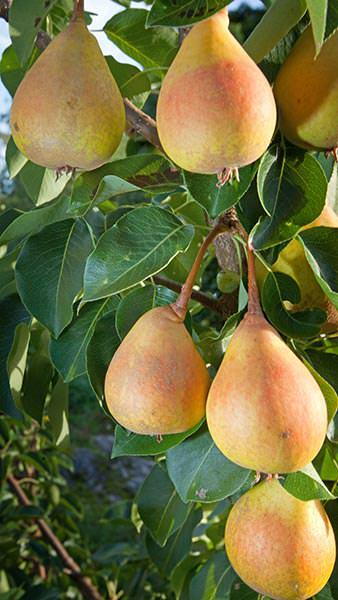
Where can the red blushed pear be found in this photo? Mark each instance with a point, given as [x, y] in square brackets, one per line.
[306, 92]
[157, 382]
[68, 111]
[265, 411]
[282, 547]
[216, 110]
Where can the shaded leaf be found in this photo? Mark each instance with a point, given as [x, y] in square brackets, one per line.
[69, 350]
[160, 507]
[127, 443]
[49, 271]
[100, 351]
[183, 12]
[214, 580]
[177, 547]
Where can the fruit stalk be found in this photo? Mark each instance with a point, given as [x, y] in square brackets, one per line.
[254, 305]
[180, 306]
[78, 9]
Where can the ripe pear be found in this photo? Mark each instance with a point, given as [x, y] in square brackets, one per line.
[157, 382]
[306, 92]
[282, 547]
[216, 109]
[68, 110]
[265, 411]
[292, 261]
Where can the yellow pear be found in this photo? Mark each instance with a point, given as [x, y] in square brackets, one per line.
[265, 411]
[68, 111]
[157, 382]
[216, 109]
[292, 261]
[282, 547]
[306, 92]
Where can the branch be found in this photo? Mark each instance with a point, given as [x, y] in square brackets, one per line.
[4, 8]
[200, 297]
[85, 584]
[142, 124]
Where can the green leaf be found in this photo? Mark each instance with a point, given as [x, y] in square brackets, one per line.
[42, 185]
[34, 220]
[129, 78]
[200, 472]
[328, 391]
[318, 12]
[133, 444]
[324, 594]
[139, 245]
[38, 376]
[49, 271]
[240, 591]
[154, 49]
[216, 200]
[12, 313]
[293, 190]
[57, 411]
[326, 364]
[177, 547]
[160, 507]
[138, 302]
[100, 351]
[214, 580]
[16, 361]
[332, 17]
[69, 350]
[14, 159]
[10, 70]
[307, 485]
[183, 12]
[274, 25]
[299, 325]
[131, 168]
[320, 245]
[25, 19]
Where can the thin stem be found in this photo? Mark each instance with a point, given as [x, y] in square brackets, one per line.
[180, 306]
[78, 9]
[254, 305]
[211, 303]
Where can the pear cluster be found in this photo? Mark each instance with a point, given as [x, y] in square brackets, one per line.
[265, 411]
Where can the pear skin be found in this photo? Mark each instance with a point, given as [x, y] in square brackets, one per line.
[282, 547]
[265, 411]
[157, 382]
[306, 92]
[68, 110]
[292, 261]
[216, 109]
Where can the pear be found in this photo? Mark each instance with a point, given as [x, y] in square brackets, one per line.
[306, 92]
[68, 111]
[215, 109]
[265, 411]
[292, 261]
[157, 382]
[282, 547]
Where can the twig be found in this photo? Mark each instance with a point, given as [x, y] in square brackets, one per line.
[200, 297]
[85, 584]
[4, 8]
[142, 124]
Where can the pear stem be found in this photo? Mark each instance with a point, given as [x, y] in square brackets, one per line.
[180, 306]
[254, 305]
[78, 9]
